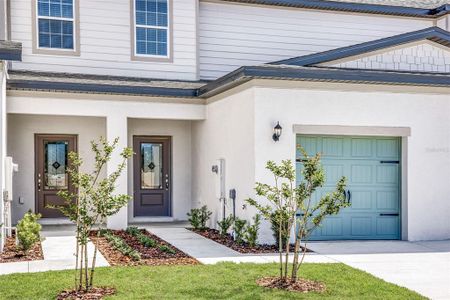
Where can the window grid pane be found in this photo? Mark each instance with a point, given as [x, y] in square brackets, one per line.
[151, 27]
[55, 31]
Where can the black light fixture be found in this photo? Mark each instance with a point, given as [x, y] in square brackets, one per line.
[277, 132]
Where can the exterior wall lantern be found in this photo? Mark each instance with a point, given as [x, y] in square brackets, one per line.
[277, 132]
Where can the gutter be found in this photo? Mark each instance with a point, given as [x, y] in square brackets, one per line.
[356, 7]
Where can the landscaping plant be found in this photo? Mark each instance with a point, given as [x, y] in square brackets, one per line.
[94, 201]
[239, 230]
[225, 225]
[198, 217]
[120, 245]
[28, 231]
[251, 231]
[284, 196]
[145, 240]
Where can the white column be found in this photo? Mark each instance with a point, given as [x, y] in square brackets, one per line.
[117, 126]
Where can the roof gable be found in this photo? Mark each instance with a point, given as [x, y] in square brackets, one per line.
[433, 34]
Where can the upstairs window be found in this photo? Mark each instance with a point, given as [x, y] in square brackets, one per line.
[55, 23]
[151, 32]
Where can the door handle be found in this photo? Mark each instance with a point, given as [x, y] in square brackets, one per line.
[349, 201]
[39, 182]
[389, 214]
[167, 182]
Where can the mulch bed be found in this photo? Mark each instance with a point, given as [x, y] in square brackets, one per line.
[228, 241]
[12, 254]
[301, 285]
[95, 293]
[151, 256]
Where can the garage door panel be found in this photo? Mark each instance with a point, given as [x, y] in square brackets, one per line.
[371, 165]
[332, 147]
[361, 226]
[310, 144]
[361, 173]
[361, 200]
[361, 148]
[388, 226]
[387, 200]
[387, 174]
[388, 148]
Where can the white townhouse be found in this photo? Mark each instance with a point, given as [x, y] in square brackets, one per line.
[196, 87]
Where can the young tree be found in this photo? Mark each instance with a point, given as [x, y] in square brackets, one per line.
[93, 202]
[286, 200]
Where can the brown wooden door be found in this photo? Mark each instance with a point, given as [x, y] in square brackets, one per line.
[51, 159]
[152, 175]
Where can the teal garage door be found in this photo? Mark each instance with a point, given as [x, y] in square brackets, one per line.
[372, 168]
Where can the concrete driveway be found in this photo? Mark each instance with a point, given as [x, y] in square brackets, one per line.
[420, 266]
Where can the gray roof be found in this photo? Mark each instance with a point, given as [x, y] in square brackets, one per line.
[405, 3]
[29, 80]
[416, 8]
[10, 50]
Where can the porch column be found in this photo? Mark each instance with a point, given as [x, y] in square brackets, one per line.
[2, 147]
[117, 126]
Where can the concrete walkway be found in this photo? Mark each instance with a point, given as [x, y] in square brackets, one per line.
[207, 251]
[58, 248]
[420, 266]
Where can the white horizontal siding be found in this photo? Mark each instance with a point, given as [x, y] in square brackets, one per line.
[232, 35]
[105, 42]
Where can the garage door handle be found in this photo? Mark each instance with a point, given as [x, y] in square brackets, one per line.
[349, 201]
[390, 215]
[389, 162]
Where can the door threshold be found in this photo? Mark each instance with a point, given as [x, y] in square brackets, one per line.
[162, 219]
[55, 221]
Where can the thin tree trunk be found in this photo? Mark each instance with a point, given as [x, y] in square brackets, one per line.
[81, 268]
[94, 258]
[280, 248]
[287, 244]
[86, 274]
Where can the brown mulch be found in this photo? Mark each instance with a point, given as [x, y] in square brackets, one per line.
[301, 285]
[228, 241]
[12, 254]
[95, 293]
[150, 256]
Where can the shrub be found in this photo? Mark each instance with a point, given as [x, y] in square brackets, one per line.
[133, 230]
[225, 225]
[251, 231]
[145, 240]
[198, 217]
[167, 249]
[239, 230]
[120, 245]
[28, 231]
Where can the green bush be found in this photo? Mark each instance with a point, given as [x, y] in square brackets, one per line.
[145, 240]
[120, 245]
[198, 217]
[239, 230]
[251, 232]
[28, 231]
[167, 249]
[133, 230]
[225, 225]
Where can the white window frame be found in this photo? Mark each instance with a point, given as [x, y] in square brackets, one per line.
[75, 49]
[168, 28]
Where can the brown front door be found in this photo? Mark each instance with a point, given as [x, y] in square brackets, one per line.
[51, 175]
[152, 175]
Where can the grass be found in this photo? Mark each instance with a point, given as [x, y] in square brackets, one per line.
[221, 281]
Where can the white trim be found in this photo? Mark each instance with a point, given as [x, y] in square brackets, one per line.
[352, 130]
[74, 30]
[167, 28]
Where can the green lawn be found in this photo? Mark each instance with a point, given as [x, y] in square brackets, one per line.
[222, 281]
